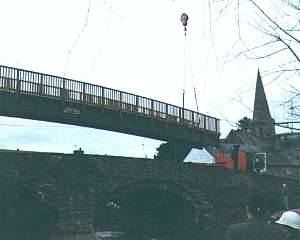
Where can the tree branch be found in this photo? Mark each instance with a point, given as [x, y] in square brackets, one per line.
[273, 22]
[289, 47]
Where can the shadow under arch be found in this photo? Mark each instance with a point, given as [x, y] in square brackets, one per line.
[149, 207]
[29, 215]
[155, 185]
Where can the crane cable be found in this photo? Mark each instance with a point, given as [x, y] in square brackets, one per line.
[191, 72]
[184, 71]
[184, 19]
[77, 38]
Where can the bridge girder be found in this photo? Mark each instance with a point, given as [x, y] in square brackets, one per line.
[53, 110]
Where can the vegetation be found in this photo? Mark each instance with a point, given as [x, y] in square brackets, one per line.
[170, 151]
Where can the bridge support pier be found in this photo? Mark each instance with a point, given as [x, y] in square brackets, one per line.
[76, 220]
[77, 201]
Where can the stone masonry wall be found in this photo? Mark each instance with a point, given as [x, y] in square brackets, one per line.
[73, 184]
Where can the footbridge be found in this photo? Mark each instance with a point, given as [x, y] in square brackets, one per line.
[33, 95]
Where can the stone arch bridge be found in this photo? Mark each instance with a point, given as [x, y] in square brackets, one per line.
[91, 193]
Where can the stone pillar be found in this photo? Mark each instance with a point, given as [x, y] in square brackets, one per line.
[76, 217]
[76, 203]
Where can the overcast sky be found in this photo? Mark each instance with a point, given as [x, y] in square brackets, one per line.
[134, 46]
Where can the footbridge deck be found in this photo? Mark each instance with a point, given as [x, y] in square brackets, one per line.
[33, 95]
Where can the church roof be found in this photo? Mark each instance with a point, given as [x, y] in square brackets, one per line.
[245, 139]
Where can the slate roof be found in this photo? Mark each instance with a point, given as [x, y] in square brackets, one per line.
[282, 149]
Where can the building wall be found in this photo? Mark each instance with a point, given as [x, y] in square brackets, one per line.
[286, 171]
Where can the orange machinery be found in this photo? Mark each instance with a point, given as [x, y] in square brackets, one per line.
[227, 161]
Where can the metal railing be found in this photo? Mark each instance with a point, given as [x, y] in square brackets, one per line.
[34, 83]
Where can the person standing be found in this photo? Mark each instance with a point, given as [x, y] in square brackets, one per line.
[285, 193]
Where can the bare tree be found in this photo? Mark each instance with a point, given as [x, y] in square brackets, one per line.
[267, 31]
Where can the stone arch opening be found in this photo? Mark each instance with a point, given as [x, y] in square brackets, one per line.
[29, 216]
[153, 208]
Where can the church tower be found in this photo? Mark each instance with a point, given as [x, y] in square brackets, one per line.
[263, 123]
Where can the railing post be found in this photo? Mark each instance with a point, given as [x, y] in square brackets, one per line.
[41, 85]
[1, 77]
[120, 104]
[120, 100]
[18, 81]
[204, 121]
[167, 109]
[152, 107]
[83, 94]
[40, 88]
[63, 90]
[18, 85]
[103, 97]
[193, 118]
[7, 77]
[137, 104]
[180, 114]
[83, 98]
[63, 93]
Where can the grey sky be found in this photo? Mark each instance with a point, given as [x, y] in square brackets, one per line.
[134, 46]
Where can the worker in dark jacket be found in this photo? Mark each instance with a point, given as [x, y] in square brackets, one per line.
[256, 227]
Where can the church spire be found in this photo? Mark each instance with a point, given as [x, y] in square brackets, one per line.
[263, 122]
[261, 108]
